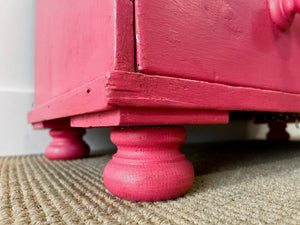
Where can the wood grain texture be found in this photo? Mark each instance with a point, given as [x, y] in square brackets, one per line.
[67, 144]
[148, 165]
[120, 90]
[148, 116]
[224, 41]
[76, 42]
[124, 49]
[89, 97]
[140, 90]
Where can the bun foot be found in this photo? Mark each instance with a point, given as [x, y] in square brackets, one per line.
[67, 144]
[148, 165]
[277, 131]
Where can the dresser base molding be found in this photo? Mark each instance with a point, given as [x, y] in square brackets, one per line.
[127, 89]
[67, 144]
[136, 90]
[148, 165]
[148, 116]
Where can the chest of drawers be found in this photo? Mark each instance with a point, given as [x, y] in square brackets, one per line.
[146, 67]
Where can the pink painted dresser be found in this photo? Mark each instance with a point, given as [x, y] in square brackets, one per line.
[147, 67]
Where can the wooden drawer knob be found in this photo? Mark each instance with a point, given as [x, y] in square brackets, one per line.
[283, 11]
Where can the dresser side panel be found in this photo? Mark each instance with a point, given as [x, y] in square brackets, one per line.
[74, 45]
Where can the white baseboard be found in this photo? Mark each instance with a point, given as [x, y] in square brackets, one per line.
[17, 136]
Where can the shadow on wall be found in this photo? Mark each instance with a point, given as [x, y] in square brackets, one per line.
[99, 139]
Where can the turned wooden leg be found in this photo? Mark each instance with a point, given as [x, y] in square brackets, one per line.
[67, 144]
[148, 165]
[277, 131]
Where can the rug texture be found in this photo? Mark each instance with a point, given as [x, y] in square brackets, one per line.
[236, 183]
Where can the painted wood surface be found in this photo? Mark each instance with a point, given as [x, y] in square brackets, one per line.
[73, 69]
[155, 91]
[148, 116]
[224, 41]
[148, 165]
[67, 144]
[124, 48]
[200, 59]
[133, 90]
[89, 97]
[79, 41]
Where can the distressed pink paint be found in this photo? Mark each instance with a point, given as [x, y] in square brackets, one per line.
[144, 63]
[155, 91]
[78, 42]
[148, 165]
[131, 90]
[91, 95]
[148, 116]
[283, 12]
[231, 42]
[67, 144]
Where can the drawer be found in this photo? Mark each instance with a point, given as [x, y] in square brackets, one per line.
[231, 42]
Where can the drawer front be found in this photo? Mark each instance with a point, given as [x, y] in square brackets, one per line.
[232, 42]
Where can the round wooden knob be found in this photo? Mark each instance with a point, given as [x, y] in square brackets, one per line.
[283, 11]
[148, 165]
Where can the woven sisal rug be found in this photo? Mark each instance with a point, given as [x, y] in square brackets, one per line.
[236, 183]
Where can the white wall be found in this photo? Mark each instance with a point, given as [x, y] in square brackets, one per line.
[17, 18]
[16, 77]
